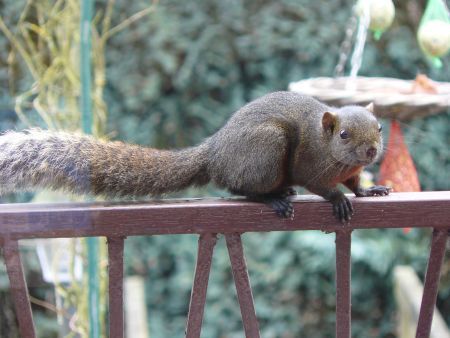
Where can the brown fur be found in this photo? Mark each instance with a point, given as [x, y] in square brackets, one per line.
[82, 164]
[267, 146]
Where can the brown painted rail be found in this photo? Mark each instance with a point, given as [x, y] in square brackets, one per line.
[232, 217]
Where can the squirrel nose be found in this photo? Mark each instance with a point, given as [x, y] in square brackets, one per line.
[371, 152]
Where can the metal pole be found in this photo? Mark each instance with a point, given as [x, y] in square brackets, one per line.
[86, 122]
[85, 65]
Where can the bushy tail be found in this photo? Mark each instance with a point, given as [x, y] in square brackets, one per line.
[81, 164]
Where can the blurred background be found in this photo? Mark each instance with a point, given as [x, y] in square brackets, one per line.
[169, 74]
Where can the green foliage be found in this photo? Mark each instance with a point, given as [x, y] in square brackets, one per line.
[8, 327]
[205, 59]
[429, 140]
[176, 77]
[292, 275]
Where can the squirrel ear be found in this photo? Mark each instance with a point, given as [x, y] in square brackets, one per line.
[370, 107]
[329, 121]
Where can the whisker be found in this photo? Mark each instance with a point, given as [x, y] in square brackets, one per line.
[320, 173]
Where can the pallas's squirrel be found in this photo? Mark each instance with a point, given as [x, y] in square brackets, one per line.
[276, 142]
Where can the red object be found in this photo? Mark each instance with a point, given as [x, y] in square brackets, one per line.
[397, 169]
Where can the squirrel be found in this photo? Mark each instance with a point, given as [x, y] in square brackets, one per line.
[278, 141]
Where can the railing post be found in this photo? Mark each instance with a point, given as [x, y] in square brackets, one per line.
[343, 278]
[18, 287]
[437, 253]
[243, 288]
[115, 288]
[206, 243]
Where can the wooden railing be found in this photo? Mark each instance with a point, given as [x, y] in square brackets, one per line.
[210, 217]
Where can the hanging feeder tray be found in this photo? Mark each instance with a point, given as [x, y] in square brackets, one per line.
[393, 98]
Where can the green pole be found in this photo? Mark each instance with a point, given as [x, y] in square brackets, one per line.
[86, 122]
[85, 66]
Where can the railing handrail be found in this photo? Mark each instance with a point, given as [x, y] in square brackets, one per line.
[197, 216]
[231, 217]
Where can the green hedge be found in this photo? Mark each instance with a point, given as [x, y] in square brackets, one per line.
[174, 79]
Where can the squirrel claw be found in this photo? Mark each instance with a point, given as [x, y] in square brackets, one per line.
[342, 209]
[282, 206]
[279, 202]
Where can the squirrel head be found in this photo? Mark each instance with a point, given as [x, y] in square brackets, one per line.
[354, 135]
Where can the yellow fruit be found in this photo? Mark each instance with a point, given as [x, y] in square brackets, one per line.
[434, 37]
[382, 13]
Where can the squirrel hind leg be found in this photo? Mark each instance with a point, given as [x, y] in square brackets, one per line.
[282, 207]
[256, 165]
[279, 202]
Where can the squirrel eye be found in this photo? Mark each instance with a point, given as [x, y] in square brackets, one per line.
[344, 134]
[380, 128]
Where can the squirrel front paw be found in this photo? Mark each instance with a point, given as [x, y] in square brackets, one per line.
[376, 190]
[342, 207]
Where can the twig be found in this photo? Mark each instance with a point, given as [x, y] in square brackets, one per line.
[19, 48]
[135, 17]
[106, 25]
[49, 306]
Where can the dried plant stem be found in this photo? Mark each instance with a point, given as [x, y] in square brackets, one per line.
[125, 23]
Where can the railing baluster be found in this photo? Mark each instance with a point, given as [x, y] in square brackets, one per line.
[19, 289]
[243, 288]
[437, 253]
[206, 243]
[343, 278]
[115, 272]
